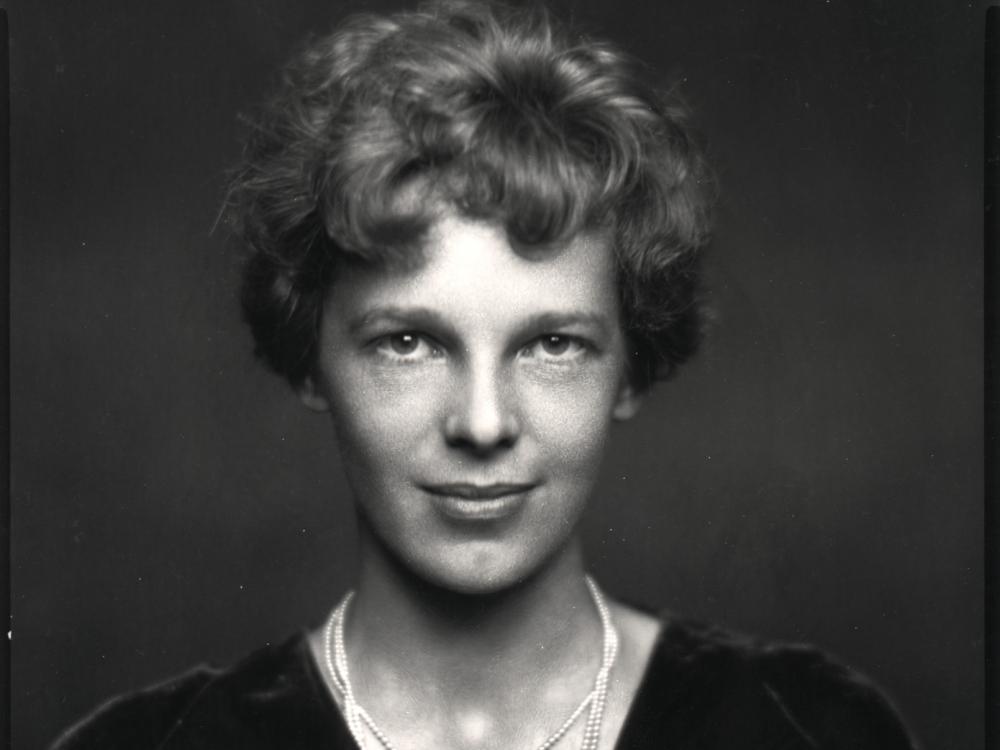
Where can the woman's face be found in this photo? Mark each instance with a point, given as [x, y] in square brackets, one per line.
[472, 398]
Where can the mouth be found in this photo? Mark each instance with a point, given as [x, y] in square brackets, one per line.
[478, 491]
[479, 502]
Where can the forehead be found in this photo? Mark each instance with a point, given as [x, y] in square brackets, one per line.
[470, 270]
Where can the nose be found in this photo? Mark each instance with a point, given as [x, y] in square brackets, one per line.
[482, 416]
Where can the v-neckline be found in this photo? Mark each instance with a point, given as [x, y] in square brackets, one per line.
[646, 704]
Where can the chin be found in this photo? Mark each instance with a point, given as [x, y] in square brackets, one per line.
[470, 569]
[465, 565]
[474, 572]
[483, 569]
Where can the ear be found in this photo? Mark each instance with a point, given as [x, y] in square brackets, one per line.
[627, 402]
[312, 395]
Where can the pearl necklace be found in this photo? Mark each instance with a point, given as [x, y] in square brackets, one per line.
[357, 717]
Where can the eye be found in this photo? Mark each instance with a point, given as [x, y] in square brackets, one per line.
[556, 347]
[406, 346]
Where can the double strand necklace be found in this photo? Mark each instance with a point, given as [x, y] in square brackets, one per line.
[358, 718]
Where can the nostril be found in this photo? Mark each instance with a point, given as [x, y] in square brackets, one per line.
[482, 419]
[481, 436]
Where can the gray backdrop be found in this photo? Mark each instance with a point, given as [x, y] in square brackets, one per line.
[815, 475]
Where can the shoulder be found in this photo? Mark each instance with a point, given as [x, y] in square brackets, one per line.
[828, 699]
[203, 703]
[750, 687]
[139, 720]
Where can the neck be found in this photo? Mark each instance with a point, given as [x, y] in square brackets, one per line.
[475, 647]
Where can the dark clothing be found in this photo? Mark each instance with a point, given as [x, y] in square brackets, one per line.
[704, 689]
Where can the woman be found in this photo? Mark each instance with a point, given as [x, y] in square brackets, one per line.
[474, 242]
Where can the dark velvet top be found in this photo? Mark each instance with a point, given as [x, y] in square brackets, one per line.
[703, 689]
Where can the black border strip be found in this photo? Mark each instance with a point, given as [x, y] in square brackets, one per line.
[991, 285]
[5, 683]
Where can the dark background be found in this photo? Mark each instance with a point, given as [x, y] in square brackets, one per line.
[815, 475]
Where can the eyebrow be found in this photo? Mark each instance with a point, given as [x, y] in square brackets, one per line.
[557, 320]
[424, 317]
[420, 317]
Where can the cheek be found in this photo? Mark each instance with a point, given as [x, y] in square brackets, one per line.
[379, 418]
[572, 421]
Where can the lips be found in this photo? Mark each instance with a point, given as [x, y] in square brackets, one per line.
[479, 502]
[478, 491]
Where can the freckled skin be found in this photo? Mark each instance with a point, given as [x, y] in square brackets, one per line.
[452, 373]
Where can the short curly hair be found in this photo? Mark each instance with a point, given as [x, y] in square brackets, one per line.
[497, 113]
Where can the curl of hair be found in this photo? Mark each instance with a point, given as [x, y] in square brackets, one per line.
[494, 112]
